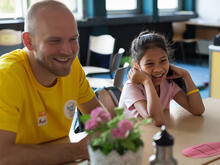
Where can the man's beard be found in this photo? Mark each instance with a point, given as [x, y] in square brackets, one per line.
[59, 72]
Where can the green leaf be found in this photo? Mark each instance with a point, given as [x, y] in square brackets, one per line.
[114, 122]
[84, 118]
[119, 111]
[119, 148]
[105, 134]
[132, 120]
[138, 143]
[126, 143]
[143, 122]
[107, 148]
[134, 134]
[96, 142]
[101, 127]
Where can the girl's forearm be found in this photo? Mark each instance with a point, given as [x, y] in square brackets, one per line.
[189, 82]
[154, 107]
[194, 99]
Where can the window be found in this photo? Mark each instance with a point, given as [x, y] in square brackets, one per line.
[76, 6]
[122, 6]
[18, 8]
[171, 6]
[71, 4]
[10, 8]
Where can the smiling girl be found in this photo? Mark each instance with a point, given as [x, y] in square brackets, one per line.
[149, 90]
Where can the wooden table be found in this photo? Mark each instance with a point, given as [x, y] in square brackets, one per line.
[67, 140]
[187, 130]
[204, 29]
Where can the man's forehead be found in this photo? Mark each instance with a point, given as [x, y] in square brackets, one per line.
[57, 18]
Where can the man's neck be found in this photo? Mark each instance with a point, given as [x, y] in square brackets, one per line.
[43, 76]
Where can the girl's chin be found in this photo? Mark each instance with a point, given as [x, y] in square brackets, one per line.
[157, 84]
[157, 81]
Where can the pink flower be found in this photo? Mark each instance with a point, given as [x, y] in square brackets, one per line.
[125, 125]
[100, 115]
[123, 129]
[118, 134]
[91, 124]
[105, 117]
[95, 112]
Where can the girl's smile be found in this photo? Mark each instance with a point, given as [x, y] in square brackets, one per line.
[155, 63]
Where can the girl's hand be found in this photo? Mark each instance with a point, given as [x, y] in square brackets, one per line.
[177, 72]
[137, 76]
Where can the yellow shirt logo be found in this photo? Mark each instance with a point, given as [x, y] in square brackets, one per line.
[42, 118]
[69, 109]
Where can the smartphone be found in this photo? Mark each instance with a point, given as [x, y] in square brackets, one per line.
[179, 81]
[170, 72]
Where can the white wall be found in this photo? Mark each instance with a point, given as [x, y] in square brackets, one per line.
[208, 9]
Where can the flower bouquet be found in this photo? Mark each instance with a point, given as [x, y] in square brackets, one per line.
[113, 140]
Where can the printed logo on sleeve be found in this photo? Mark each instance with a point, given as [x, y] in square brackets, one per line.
[42, 118]
[69, 109]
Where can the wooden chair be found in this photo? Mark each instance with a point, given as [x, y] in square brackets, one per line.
[178, 30]
[10, 40]
[102, 47]
[109, 97]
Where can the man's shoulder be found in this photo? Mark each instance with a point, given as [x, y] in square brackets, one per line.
[12, 62]
[12, 59]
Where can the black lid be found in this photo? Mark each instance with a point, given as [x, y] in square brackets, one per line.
[163, 138]
[216, 40]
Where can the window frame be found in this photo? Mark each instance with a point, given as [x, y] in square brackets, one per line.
[23, 5]
[18, 11]
[173, 10]
[79, 12]
[121, 12]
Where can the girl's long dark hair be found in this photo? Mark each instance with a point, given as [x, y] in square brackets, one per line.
[146, 40]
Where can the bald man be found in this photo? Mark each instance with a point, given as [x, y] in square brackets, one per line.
[40, 87]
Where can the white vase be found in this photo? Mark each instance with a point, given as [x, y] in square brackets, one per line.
[113, 158]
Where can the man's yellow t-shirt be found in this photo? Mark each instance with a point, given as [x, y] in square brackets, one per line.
[38, 114]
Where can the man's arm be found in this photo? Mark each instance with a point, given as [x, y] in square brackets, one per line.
[43, 154]
[87, 107]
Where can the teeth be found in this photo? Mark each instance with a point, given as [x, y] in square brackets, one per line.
[157, 76]
[62, 59]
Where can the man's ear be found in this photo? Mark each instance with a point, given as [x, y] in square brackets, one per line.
[27, 40]
[136, 66]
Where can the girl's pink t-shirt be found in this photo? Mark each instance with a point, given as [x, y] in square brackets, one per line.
[132, 93]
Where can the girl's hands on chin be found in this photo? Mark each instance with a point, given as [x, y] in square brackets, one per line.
[177, 72]
[137, 76]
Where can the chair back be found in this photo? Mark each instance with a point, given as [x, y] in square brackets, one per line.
[121, 76]
[9, 40]
[116, 60]
[109, 97]
[178, 29]
[102, 45]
